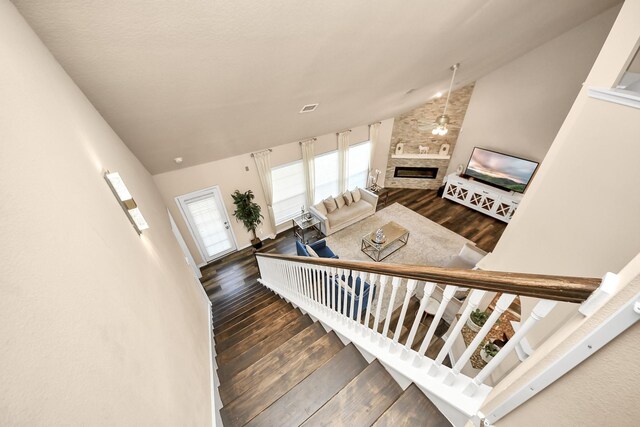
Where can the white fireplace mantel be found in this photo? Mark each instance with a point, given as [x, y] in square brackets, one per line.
[421, 156]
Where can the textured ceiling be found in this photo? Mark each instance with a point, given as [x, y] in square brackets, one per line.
[210, 79]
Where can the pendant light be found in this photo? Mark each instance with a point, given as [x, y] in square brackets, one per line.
[442, 121]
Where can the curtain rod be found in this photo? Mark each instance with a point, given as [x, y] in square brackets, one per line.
[305, 140]
[376, 123]
[268, 149]
[348, 130]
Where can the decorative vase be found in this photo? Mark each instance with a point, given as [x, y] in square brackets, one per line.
[379, 235]
[484, 356]
[471, 325]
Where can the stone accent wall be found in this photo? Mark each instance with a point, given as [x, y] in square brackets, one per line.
[406, 130]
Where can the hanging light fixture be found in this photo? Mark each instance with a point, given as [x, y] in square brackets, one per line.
[442, 121]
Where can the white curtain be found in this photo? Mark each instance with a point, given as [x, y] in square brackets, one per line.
[374, 135]
[263, 164]
[308, 164]
[343, 160]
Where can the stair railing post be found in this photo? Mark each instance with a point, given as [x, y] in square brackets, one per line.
[395, 283]
[352, 306]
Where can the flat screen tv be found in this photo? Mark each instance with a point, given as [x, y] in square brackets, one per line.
[500, 170]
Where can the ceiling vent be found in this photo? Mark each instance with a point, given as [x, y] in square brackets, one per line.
[309, 108]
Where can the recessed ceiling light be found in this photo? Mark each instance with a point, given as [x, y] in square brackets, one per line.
[309, 108]
[178, 160]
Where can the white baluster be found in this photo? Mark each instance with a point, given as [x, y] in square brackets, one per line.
[428, 290]
[323, 284]
[383, 283]
[502, 305]
[411, 286]
[363, 278]
[352, 307]
[539, 312]
[332, 289]
[345, 292]
[372, 287]
[474, 300]
[448, 293]
[339, 298]
[394, 290]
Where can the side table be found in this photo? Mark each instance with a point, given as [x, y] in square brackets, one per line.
[383, 196]
[303, 226]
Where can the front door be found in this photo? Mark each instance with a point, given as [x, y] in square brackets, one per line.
[208, 222]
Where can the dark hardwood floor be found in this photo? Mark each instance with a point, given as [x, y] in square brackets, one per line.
[481, 229]
[278, 367]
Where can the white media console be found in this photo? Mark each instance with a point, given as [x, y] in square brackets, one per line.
[494, 202]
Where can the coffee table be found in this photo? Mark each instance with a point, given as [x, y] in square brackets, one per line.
[396, 237]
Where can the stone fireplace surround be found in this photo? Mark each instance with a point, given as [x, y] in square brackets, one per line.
[407, 130]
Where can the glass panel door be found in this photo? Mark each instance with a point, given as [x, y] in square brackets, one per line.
[208, 222]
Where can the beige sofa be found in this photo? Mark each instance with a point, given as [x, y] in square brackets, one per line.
[345, 215]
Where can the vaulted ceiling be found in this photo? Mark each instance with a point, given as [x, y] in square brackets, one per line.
[210, 79]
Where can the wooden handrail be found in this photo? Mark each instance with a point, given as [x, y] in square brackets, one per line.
[557, 288]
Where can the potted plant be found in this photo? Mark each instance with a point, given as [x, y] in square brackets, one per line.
[248, 213]
[488, 351]
[477, 319]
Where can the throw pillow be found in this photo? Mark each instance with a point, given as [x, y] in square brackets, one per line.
[348, 199]
[356, 195]
[340, 201]
[320, 207]
[330, 204]
[311, 251]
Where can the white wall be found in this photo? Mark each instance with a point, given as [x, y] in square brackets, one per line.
[230, 174]
[580, 217]
[519, 108]
[99, 326]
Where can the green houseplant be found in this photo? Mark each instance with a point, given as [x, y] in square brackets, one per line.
[489, 350]
[477, 319]
[248, 213]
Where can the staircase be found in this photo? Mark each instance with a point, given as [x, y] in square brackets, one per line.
[277, 367]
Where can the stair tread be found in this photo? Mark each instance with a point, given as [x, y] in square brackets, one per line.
[230, 299]
[258, 335]
[413, 409]
[246, 327]
[314, 391]
[361, 402]
[220, 312]
[278, 358]
[246, 310]
[231, 328]
[228, 368]
[252, 402]
[218, 294]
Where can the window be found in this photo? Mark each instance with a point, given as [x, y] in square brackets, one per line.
[358, 170]
[326, 175]
[288, 191]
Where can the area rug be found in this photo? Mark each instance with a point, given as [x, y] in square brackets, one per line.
[429, 244]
